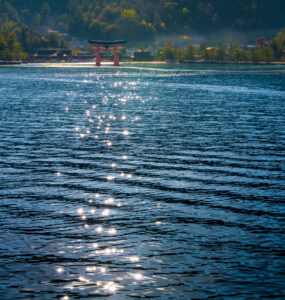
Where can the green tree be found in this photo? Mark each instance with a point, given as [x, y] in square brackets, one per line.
[203, 52]
[252, 55]
[10, 49]
[265, 54]
[189, 53]
[277, 44]
[243, 55]
[166, 53]
[233, 52]
[221, 52]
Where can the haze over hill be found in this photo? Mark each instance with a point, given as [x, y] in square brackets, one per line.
[145, 20]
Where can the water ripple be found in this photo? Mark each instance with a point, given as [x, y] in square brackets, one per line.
[143, 181]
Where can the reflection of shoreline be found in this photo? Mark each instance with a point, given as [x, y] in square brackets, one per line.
[234, 62]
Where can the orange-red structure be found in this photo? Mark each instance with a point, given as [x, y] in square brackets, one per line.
[100, 46]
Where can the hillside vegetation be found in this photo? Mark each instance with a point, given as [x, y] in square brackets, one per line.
[24, 25]
[143, 19]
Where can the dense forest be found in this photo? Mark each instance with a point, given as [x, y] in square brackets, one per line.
[25, 25]
[19, 41]
[143, 19]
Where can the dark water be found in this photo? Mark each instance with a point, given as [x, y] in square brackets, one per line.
[142, 181]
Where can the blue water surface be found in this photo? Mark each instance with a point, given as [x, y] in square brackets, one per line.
[143, 181]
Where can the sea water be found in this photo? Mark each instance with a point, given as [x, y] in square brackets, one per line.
[160, 181]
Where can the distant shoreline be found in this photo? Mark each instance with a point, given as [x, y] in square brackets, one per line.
[211, 62]
[7, 63]
[4, 63]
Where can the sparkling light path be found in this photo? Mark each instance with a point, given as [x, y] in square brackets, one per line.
[98, 124]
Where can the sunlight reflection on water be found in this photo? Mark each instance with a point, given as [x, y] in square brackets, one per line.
[141, 182]
[93, 112]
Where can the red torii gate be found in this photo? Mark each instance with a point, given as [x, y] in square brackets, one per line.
[107, 45]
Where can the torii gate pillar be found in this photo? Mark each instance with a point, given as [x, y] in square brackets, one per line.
[107, 45]
[116, 58]
[98, 59]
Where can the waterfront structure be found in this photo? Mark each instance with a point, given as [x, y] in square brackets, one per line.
[59, 55]
[261, 42]
[100, 46]
[51, 55]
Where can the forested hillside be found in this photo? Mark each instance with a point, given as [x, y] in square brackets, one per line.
[144, 19]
